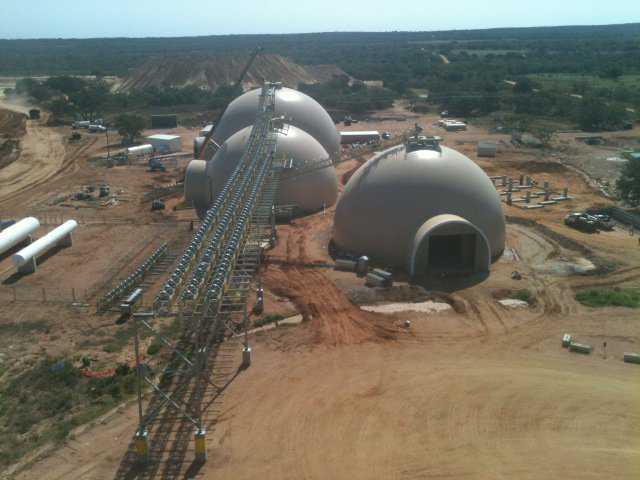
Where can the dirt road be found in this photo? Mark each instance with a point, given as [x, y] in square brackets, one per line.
[43, 155]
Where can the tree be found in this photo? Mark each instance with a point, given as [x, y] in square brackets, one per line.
[628, 184]
[523, 86]
[129, 126]
[91, 99]
[544, 134]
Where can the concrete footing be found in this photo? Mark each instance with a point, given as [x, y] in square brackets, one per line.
[201, 445]
[28, 267]
[142, 446]
[65, 241]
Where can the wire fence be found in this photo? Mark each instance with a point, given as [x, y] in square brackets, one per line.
[28, 294]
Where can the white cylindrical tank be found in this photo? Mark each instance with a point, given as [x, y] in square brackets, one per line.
[44, 243]
[17, 232]
[310, 183]
[140, 149]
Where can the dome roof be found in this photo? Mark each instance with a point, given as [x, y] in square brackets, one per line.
[303, 185]
[389, 198]
[300, 110]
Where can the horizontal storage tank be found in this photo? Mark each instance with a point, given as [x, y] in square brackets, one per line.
[145, 149]
[308, 180]
[59, 235]
[345, 265]
[632, 357]
[18, 232]
[580, 348]
[299, 109]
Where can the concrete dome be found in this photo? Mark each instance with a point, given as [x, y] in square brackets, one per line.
[299, 109]
[309, 184]
[396, 204]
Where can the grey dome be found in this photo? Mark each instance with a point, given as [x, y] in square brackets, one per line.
[394, 202]
[303, 185]
[299, 109]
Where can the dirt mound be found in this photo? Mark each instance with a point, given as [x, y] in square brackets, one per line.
[210, 72]
[328, 314]
[12, 129]
[332, 318]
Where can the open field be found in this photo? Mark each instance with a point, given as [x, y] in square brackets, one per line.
[477, 391]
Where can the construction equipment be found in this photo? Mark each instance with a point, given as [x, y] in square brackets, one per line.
[581, 222]
[155, 165]
[588, 223]
[157, 205]
[209, 137]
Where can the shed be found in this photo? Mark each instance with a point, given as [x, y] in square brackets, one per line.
[347, 138]
[487, 149]
[163, 143]
[164, 121]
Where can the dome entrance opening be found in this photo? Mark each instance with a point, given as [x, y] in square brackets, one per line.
[449, 245]
[451, 253]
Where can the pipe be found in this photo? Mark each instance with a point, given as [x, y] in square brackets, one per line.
[44, 243]
[16, 233]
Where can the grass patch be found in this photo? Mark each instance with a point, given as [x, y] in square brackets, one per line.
[523, 295]
[22, 328]
[616, 297]
[45, 403]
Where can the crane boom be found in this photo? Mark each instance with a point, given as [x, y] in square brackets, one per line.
[209, 137]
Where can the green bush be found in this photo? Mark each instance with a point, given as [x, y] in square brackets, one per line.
[617, 297]
[524, 295]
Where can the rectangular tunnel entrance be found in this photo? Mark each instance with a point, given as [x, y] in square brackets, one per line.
[452, 253]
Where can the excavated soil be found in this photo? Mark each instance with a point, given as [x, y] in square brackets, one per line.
[480, 391]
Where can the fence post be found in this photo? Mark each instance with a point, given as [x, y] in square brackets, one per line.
[73, 295]
[44, 295]
[15, 295]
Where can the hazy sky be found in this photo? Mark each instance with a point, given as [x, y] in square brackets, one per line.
[142, 18]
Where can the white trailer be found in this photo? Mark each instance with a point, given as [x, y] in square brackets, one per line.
[25, 259]
[18, 232]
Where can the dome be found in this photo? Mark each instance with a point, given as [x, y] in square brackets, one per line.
[299, 109]
[309, 183]
[424, 211]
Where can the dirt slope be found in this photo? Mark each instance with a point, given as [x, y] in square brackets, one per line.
[212, 71]
[12, 128]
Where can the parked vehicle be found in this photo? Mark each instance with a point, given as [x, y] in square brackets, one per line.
[580, 221]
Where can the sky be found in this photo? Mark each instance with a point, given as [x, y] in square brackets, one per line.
[168, 18]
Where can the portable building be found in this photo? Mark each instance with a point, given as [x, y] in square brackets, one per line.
[163, 143]
[164, 121]
[348, 138]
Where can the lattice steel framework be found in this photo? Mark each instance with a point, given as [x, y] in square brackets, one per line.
[210, 287]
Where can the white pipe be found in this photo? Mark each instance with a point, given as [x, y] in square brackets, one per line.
[44, 243]
[17, 232]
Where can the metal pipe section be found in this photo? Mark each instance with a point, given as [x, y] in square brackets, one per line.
[17, 232]
[44, 243]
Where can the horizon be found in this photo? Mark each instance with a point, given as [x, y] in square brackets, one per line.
[76, 20]
[324, 32]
